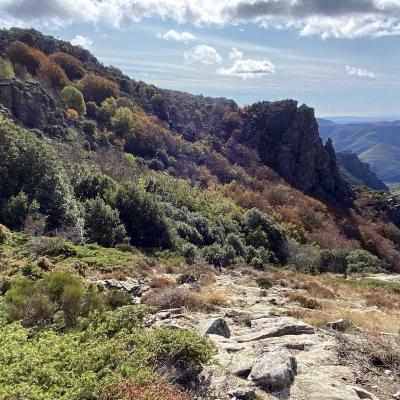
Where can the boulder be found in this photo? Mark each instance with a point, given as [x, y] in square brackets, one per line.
[219, 327]
[339, 325]
[242, 393]
[274, 371]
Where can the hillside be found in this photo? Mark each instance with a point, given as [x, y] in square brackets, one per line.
[134, 220]
[377, 144]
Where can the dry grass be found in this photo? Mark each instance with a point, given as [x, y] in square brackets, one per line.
[158, 282]
[318, 289]
[304, 301]
[390, 301]
[215, 297]
[169, 297]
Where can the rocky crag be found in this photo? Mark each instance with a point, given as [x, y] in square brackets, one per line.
[287, 139]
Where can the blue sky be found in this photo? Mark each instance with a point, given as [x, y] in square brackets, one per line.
[340, 57]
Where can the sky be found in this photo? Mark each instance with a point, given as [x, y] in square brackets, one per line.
[341, 57]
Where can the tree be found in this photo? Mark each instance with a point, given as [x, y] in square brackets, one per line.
[102, 223]
[72, 98]
[20, 53]
[96, 88]
[122, 121]
[144, 220]
[71, 65]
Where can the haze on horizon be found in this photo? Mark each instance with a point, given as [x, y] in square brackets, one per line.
[339, 57]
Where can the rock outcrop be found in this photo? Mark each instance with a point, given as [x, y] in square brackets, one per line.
[359, 172]
[31, 105]
[287, 139]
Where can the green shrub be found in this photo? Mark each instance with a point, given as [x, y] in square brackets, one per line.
[143, 218]
[16, 210]
[107, 110]
[117, 298]
[4, 234]
[6, 68]
[71, 65]
[236, 242]
[72, 98]
[220, 256]
[102, 223]
[362, 261]
[333, 261]
[92, 110]
[122, 121]
[189, 251]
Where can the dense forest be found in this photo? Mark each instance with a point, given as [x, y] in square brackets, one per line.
[99, 172]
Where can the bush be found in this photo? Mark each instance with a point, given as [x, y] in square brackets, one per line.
[28, 164]
[16, 210]
[71, 65]
[122, 121]
[4, 234]
[92, 110]
[169, 297]
[237, 244]
[20, 53]
[333, 261]
[189, 251]
[220, 256]
[71, 97]
[6, 68]
[72, 114]
[362, 261]
[96, 88]
[107, 110]
[144, 220]
[102, 223]
[117, 298]
[53, 73]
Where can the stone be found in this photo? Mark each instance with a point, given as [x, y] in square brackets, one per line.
[242, 393]
[339, 325]
[274, 371]
[364, 394]
[219, 327]
[243, 371]
[396, 396]
[275, 327]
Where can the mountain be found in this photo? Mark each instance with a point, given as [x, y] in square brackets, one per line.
[377, 144]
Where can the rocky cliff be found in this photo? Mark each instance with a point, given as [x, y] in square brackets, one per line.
[287, 139]
[31, 105]
[359, 172]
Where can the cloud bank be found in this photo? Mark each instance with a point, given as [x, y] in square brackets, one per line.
[248, 68]
[325, 18]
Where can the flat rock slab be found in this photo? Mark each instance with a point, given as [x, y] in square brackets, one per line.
[274, 371]
[275, 327]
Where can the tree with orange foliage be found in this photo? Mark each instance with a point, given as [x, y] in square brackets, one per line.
[71, 65]
[96, 88]
[20, 53]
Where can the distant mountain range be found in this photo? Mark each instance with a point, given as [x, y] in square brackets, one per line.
[376, 143]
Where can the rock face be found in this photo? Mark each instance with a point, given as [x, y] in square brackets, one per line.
[274, 371]
[358, 172]
[287, 139]
[32, 106]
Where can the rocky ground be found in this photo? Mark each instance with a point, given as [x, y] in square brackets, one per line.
[265, 354]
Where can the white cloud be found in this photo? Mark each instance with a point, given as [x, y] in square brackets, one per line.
[354, 71]
[82, 41]
[325, 18]
[248, 68]
[177, 36]
[235, 53]
[203, 54]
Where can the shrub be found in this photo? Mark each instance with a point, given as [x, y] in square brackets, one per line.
[92, 110]
[102, 223]
[169, 297]
[96, 88]
[333, 261]
[220, 256]
[359, 261]
[55, 74]
[143, 218]
[72, 114]
[189, 251]
[158, 282]
[122, 121]
[71, 65]
[6, 68]
[16, 210]
[71, 97]
[237, 244]
[4, 234]
[20, 53]
[28, 164]
[107, 110]
[264, 282]
[304, 301]
[117, 298]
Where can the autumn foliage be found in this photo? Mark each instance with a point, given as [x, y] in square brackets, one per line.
[20, 53]
[71, 65]
[96, 88]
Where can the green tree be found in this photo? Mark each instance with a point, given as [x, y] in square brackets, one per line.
[72, 98]
[102, 223]
[122, 121]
